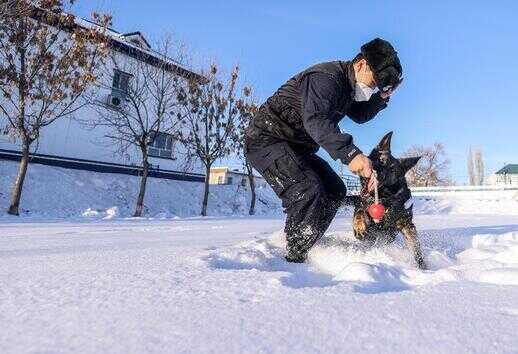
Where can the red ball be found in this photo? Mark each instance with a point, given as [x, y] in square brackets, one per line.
[376, 211]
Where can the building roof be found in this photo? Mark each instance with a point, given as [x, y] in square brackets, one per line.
[132, 44]
[508, 169]
[137, 38]
[135, 45]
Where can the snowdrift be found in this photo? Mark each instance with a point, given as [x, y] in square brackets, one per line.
[452, 256]
[474, 203]
[52, 192]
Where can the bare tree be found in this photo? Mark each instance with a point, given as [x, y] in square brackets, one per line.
[479, 168]
[432, 168]
[5, 9]
[148, 109]
[247, 111]
[211, 112]
[471, 170]
[47, 62]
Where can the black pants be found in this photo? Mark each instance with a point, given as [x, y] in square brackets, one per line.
[311, 192]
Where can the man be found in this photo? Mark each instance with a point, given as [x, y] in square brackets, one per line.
[302, 116]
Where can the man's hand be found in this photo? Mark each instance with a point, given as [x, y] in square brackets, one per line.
[389, 93]
[361, 165]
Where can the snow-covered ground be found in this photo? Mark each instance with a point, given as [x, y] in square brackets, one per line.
[78, 276]
[52, 192]
[220, 285]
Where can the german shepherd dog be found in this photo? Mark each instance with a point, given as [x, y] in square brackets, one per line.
[393, 194]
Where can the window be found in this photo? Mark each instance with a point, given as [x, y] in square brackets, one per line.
[161, 146]
[220, 179]
[120, 82]
[229, 180]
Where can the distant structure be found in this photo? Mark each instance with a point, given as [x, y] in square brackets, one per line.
[506, 176]
[226, 175]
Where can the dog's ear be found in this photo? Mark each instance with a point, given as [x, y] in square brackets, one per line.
[384, 144]
[408, 162]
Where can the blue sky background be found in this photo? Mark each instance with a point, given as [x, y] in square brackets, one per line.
[460, 59]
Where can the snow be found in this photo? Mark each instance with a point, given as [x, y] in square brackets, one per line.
[490, 203]
[52, 192]
[221, 285]
[79, 275]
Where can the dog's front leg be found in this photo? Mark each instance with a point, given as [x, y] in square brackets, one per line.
[410, 232]
[359, 224]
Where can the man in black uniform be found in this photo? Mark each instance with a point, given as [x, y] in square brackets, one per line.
[303, 115]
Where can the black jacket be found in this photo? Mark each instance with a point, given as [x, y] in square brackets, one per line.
[306, 110]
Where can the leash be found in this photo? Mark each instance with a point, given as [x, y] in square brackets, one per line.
[376, 193]
[365, 189]
[376, 210]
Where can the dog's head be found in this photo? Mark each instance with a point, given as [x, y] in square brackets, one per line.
[391, 171]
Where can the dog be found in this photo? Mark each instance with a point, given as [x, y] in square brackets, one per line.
[393, 194]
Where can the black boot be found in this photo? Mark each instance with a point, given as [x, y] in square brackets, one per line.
[295, 258]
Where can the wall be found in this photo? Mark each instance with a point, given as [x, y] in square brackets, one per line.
[508, 179]
[216, 174]
[68, 137]
[467, 192]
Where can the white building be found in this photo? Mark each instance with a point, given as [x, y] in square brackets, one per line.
[506, 176]
[226, 175]
[67, 139]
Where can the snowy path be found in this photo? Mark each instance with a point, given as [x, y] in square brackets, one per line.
[220, 285]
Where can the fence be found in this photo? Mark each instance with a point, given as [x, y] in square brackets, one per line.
[102, 167]
[352, 183]
[481, 192]
[443, 189]
[467, 192]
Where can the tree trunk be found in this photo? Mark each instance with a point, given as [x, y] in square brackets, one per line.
[206, 192]
[471, 171]
[18, 184]
[26, 141]
[251, 181]
[143, 182]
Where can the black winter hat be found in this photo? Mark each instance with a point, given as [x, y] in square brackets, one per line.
[384, 62]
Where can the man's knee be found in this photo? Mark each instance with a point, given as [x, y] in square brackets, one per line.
[330, 198]
[336, 190]
[309, 192]
[338, 196]
[313, 193]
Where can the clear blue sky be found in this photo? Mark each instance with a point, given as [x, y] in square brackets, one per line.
[460, 59]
